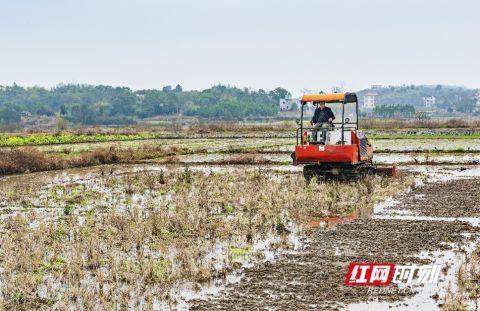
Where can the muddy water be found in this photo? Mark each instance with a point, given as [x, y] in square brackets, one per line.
[261, 252]
[400, 231]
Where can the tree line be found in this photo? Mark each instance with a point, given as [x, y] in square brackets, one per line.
[89, 104]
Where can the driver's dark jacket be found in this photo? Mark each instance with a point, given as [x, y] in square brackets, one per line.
[322, 115]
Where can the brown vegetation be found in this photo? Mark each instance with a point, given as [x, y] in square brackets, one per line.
[467, 293]
[29, 159]
[132, 251]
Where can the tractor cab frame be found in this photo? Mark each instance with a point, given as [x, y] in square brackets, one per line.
[346, 152]
[346, 114]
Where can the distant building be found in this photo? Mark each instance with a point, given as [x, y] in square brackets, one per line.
[370, 100]
[288, 103]
[284, 104]
[476, 109]
[376, 86]
[429, 101]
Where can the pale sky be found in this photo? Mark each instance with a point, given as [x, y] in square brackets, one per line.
[296, 44]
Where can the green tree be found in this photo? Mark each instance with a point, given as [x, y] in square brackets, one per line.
[279, 93]
[178, 89]
[42, 109]
[10, 113]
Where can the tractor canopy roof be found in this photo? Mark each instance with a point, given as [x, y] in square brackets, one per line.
[330, 98]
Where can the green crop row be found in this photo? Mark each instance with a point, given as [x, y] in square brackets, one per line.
[50, 139]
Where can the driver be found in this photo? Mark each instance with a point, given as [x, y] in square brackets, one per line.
[322, 118]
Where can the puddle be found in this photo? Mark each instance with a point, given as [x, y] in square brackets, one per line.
[261, 251]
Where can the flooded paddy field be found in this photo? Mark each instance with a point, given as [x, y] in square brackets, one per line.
[415, 145]
[225, 227]
[284, 158]
[441, 227]
[210, 144]
[266, 143]
[134, 235]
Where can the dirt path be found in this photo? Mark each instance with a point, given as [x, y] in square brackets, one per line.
[313, 277]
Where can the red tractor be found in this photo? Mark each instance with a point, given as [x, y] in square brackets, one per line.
[340, 150]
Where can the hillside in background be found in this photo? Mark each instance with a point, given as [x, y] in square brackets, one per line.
[88, 104]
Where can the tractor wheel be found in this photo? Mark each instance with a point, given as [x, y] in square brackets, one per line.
[368, 169]
[313, 171]
[309, 172]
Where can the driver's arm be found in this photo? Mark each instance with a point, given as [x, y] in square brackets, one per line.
[314, 118]
[331, 116]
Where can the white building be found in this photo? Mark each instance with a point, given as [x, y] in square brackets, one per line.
[429, 101]
[287, 103]
[370, 100]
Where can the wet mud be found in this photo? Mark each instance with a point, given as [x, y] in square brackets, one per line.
[314, 277]
[453, 198]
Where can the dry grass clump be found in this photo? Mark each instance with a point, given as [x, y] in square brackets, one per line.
[468, 285]
[29, 159]
[23, 160]
[158, 229]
